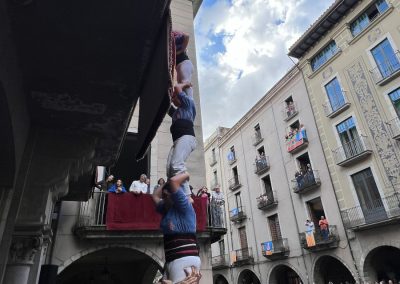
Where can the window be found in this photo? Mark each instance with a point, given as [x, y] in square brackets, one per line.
[243, 241]
[386, 59]
[395, 98]
[335, 94]
[324, 55]
[238, 200]
[362, 22]
[215, 178]
[274, 227]
[257, 130]
[351, 141]
[235, 174]
[268, 187]
[368, 196]
[221, 244]
[315, 210]
[304, 163]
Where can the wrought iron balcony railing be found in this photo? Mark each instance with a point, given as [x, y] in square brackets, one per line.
[320, 240]
[257, 138]
[296, 140]
[333, 109]
[305, 182]
[267, 201]
[220, 261]
[242, 256]
[237, 215]
[387, 69]
[289, 110]
[277, 249]
[261, 165]
[352, 151]
[374, 213]
[234, 183]
[395, 128]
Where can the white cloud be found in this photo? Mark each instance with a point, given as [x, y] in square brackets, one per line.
[256, 37]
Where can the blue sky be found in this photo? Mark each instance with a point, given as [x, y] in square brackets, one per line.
[241, 52]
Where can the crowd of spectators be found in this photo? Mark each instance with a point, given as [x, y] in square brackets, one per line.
[304, 177]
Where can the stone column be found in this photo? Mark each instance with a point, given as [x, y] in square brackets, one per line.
[22, 254]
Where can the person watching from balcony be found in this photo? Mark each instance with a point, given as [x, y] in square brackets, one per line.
[139, 186]
[118, 187]
[203, 192]
[217, 203]
[160, 182]
[182, 130]
[310, 233]
[324, 228]
[105, 184]
[178, 224]
[148, 186]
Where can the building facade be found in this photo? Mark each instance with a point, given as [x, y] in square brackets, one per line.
[65, 114]
[272, 170]
[350, 62]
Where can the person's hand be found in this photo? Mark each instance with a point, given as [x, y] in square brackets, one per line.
[110, 178]
[192, 277]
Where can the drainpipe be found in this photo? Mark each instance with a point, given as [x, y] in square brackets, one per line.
[330, 177]
[291, 198]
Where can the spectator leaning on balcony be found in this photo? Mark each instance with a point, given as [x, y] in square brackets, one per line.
[324, 228]
[178, 224]
[118, 187]
[105, 184]
[139, 186]
[160, 182]
[310, 233]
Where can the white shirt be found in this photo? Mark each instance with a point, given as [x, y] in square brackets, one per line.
[138, 186]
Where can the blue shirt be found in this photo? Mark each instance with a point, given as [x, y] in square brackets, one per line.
[180, 218]
[113, 188]
[187, 110]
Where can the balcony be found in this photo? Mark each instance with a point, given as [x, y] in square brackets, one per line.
[257, 138]
[130, 217]
[352, 151]
[278, 249]
[387, 71]
[377, 213]
[305, 182]
[320, 242]
[267, 201]
[234, 183]
[296, 141]
[231, 158]
[332, 110]
[261, 165]
[242, 257]
[237, 215]
[395, 128]
[212, 160]
[220, 262]
[289, 111]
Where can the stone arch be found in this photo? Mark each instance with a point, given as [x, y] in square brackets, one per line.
[381, 263]
[338, 272]
[7, 161]
[246, 276]
[277, 270]
[220, 279]
[85, 252]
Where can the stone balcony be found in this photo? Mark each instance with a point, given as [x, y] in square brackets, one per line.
[274, 250]
[334, 109]
[352, 151]
[305, 182]
[234, 183]
[296, 141]
[242, 257]
[386, 71]
[319, 242]
[104, 218]
[267, 201]
[257, 138]
[261, 165]
[237, 215]
[220, 262]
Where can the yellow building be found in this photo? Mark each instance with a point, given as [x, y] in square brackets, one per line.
[350, 61]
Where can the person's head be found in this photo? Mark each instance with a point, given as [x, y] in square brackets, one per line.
[110, 178]
[143, 178]
[322, 217]
[217, 189]
[204, 189]
[308, 221]
[161, 181]
[119, 182]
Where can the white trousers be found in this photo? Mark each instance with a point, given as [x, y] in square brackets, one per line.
[178, 155]
[176, 268]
